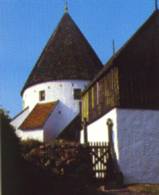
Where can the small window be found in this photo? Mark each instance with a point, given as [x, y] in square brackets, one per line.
[42, 95]
[77, 94]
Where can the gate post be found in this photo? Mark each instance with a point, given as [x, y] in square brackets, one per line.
[114, 177]
[110, 127]
[85, 131]
[110, 139]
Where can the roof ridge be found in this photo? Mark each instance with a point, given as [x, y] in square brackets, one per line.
[42, 103]
[111, 60]
[140, 28]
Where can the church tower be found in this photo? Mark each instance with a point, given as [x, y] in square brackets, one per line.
[63, 70]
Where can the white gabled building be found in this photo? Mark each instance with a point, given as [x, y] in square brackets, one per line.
[51, 94]
[126, 91]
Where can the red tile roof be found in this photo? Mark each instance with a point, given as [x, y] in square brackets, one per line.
[38, 116]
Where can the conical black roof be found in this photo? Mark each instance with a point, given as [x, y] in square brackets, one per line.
[67, 55]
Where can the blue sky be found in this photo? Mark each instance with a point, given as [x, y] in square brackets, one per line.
[26, 25]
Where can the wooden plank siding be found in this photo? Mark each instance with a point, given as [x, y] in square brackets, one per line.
[102, 96]
[130, 79]
[138, 63]
[139, 89]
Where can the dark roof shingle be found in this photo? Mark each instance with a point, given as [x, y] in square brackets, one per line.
[67, 55]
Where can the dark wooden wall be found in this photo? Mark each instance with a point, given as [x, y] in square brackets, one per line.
[103, 95]
[132, 80]
[139, 69]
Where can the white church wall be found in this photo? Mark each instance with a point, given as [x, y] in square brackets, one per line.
[54, 90]
[37, 134]
[138, 134]
[82, 136]
[18, 120]
[135, 135]
[58, 120]
[98, 131]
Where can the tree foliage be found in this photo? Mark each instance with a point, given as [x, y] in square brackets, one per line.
[10, 154]
[33, 168]
[19, 177]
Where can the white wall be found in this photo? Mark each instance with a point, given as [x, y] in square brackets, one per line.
[98, 131]
[55, 90]
[37, 134]
[23, 134]
[58, 120]
[61, 116]
[66, 110]
[17, 121]
[136, 140]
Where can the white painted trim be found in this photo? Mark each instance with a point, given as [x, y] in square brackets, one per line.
[19, 119]
[31, 134]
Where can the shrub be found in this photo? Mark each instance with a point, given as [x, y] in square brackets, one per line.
[28, 145]
[63, 159]
[10, 155]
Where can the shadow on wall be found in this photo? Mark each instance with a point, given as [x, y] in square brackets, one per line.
[58, 120]
[72, 131]
[127, 153]
[137, 135]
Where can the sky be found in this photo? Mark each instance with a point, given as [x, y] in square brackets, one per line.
[26, 25]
